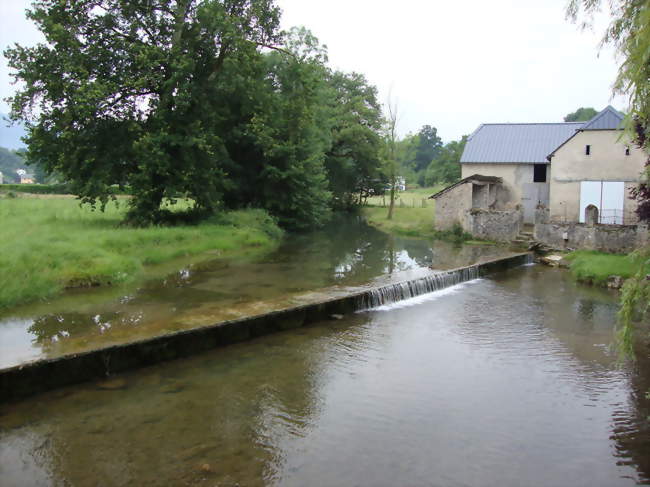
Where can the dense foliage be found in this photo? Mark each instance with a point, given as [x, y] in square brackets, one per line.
[582, 114]
[200, 98]
[442, 164]
[60, 188]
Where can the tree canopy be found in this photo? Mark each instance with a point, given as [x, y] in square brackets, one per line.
[428, 147]
[205, 99]
[445, 169]
[582, 114]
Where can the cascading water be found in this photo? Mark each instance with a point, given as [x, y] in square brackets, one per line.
[409, 289]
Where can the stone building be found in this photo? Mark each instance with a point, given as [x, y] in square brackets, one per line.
[596, 167]
[480, 206]
[562, 166]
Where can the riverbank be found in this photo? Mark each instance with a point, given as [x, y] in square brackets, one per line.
[596, 268]
[53, 244]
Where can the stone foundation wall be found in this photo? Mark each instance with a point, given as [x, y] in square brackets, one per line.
[501, 226]
[605, 238]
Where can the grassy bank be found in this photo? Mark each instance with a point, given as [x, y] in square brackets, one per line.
[410, 222]
[410, 217]
[50, 244]
[596, 267]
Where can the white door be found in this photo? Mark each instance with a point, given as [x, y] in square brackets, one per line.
[607, 196]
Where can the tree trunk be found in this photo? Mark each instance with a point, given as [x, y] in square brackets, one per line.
[392, 199]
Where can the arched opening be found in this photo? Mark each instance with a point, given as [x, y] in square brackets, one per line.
[591, 215]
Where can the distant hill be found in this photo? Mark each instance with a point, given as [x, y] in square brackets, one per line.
[10, 136]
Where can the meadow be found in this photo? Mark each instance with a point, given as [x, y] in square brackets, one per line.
[51, 243]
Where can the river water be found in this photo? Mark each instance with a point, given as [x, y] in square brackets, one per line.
[344, 256]
[504, 381]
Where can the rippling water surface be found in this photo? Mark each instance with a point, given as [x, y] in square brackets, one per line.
[507, 381]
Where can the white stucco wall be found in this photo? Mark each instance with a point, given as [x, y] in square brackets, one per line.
[513, 175]
[606, 162]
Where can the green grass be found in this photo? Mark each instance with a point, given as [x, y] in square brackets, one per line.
[410, 222]
[596, 267]
[50, 244]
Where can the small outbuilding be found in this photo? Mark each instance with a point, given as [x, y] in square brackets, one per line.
[480, 205]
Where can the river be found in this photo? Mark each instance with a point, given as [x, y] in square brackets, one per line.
[503, 381]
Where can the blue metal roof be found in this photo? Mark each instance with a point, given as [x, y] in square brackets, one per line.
[608, 119]
[509, 143]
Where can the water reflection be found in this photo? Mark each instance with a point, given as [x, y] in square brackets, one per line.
[506, 381]
[335, 260]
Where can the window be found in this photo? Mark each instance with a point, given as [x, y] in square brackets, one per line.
[587, 149]
[539, 174]
[627, 151]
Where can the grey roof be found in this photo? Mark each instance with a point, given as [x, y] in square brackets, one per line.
[509, 143]
[474, 177]
[608, 119]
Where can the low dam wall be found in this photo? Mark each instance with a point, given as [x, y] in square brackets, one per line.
[41, 375]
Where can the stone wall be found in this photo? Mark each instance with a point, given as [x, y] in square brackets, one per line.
[501, 226]
[452, 205]
[606, 238]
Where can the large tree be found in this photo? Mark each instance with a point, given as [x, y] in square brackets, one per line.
[445, 168]
[353, 161]
[582, 114]
[130, 92]
[428, 148]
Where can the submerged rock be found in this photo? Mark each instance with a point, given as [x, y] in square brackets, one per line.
[615, 282]
[551, 260]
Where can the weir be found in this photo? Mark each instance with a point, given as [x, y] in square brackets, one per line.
[416, 287]
[41, 375]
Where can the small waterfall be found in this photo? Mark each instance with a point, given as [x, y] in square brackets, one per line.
[409, 289]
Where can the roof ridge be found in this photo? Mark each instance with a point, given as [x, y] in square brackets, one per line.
[601, 114]
[534, 123]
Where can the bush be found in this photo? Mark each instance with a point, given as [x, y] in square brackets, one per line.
[60, 188]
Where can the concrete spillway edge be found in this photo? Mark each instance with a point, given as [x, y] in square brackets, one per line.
[42, 375]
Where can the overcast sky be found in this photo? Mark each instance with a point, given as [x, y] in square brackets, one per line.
[450, 64]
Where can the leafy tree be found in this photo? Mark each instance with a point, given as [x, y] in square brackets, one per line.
[428, 148]
[582, 114]
[446, 167]
[353, 161]
[128, 92]
[405, 152]
[293, 133]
